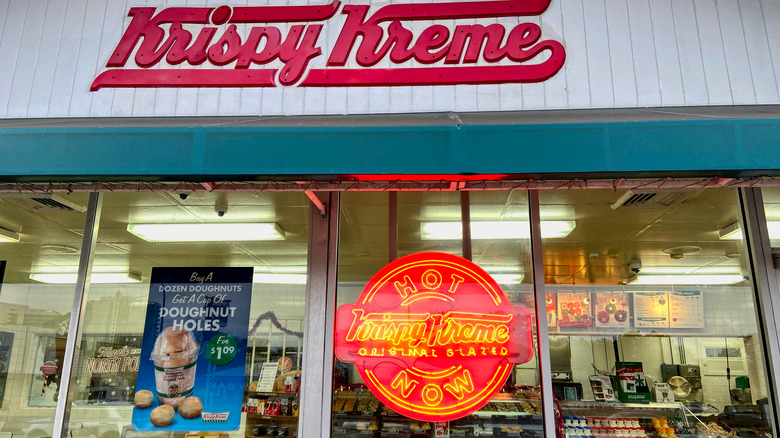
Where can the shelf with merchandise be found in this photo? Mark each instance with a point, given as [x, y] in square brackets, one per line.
[514, 413]
[272, 414]
[257, 394]
[636, 420]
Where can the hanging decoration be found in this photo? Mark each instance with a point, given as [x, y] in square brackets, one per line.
[272, 316]
[49, 370]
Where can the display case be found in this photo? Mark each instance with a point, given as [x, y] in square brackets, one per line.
[625, 419]
[654, 420]
[272, 414]
[358, 413]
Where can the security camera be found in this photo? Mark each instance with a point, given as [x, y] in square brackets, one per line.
[184, 196]
[635, 265]
[221, 205]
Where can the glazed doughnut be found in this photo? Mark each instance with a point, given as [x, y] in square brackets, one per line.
[191, 407]
[143, 398]
[162, 415]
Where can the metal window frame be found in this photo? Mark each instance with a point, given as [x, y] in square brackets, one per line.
[767, 291]
[542, 335]
[320, 311]
[80, 298]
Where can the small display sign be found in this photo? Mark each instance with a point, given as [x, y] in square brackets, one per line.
[611, 310]
[686, 309]
[651, 310]
[267, 377]
[574, 309]
[602, 388]
[191, 369]
[632, 383]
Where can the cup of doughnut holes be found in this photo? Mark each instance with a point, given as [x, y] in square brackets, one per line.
[161, 416]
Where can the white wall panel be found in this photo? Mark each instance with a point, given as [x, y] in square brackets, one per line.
[619, 53]
[645, 65]
[379, 100]
[13, 25]
[531, 96]
[689, 49]
[65, 71]
[27, 59]
[422, 99]
[114, 22]
[597, 43]
[771, 12]
[712, 54]
[757, 44]
[465, 97]
[737, 64]
[576, 65]
[555, 93]
[667, 56]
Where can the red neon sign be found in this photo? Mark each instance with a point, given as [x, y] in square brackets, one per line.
[191, 36]
[433, 336]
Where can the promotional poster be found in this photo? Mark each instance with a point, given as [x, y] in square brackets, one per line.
[194, 350]
[651, 309]
[574, 310]
[611, 309]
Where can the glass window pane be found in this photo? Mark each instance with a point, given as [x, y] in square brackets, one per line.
[40, 244]
[107, 366]
[414, 395]
[655, 314]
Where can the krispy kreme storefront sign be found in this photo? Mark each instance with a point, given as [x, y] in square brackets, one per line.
[271, 46]
[433, 336]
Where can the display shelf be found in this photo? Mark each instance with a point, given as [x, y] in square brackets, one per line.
[273, 417]
[273, 394]
[508, 415]
[610, 409]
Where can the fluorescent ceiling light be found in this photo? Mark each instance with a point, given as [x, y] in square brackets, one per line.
[101, 277]
[687, 280]
[208, 232]
[54, 269]
[684, 270]
[281, 269]
[773, 227]
[507, 278]
[499, 269]
[8, 236]
[734, 231]
[731, 232]
[480, 212]
[279, 278]
[493, 230]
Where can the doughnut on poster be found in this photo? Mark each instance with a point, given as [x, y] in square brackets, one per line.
[193, 356]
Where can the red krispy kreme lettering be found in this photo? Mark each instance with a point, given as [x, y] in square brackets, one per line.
[433, 336]
[265, 56]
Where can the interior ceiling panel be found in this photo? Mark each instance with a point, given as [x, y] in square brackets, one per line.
[597, 251]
